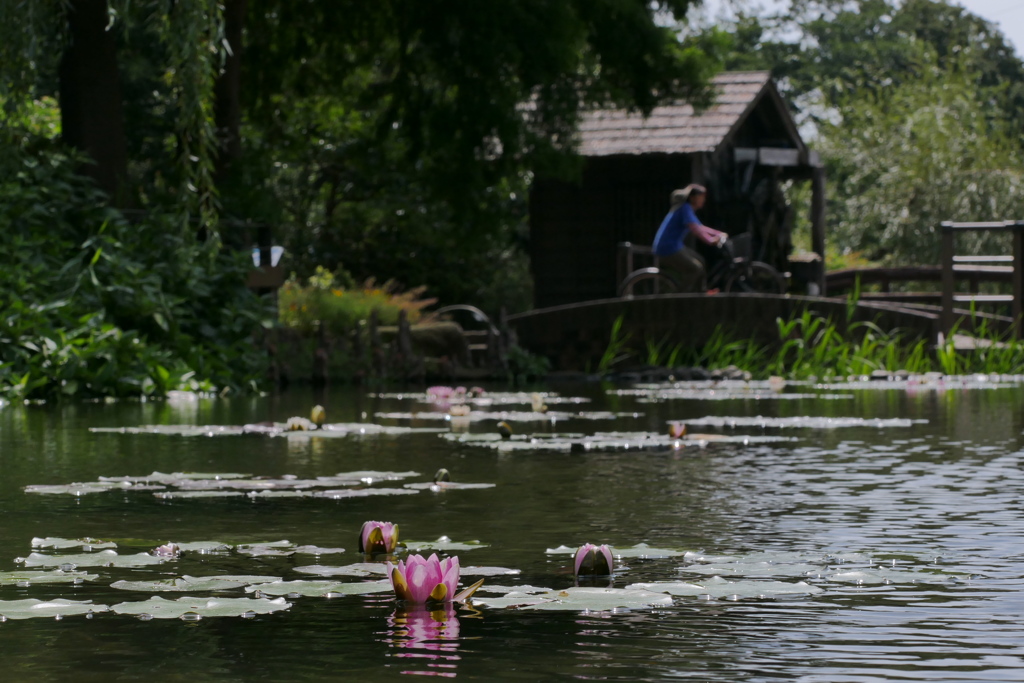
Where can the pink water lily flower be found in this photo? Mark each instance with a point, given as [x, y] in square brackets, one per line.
[593, 560]
[419, 580]
[378, 537]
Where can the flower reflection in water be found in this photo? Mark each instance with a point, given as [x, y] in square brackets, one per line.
[428, 635]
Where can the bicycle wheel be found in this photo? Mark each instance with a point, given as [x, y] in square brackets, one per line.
[756, 277]
[648, 281]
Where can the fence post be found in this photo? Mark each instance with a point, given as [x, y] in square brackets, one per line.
[1018, 277]
[947, 276]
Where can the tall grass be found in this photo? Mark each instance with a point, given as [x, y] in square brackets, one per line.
[813, 346]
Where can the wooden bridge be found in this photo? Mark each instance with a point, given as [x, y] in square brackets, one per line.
[576, 335]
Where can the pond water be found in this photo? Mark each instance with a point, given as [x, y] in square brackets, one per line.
[909, 535]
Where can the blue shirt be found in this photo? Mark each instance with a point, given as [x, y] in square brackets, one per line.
[674, 229]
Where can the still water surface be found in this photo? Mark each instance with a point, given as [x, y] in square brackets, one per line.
[942, 499]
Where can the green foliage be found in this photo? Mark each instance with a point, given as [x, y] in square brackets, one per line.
[618, 347]
[524, 366]
[335, 305]
[94, 306]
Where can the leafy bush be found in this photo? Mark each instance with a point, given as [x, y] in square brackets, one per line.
[96, 306]
[336, 305]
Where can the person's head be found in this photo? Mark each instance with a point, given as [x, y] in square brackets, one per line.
[696, 195]
[693, 193]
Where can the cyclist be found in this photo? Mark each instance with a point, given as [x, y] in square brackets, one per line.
[680, 221]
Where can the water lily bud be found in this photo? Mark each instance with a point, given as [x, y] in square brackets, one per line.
[420, 580]
[442, 475]
[167, 550]
[593, 560]
[318, 416]
[378, 537]
[505, 429]
[676, 430]
[537, 403]
[459, 410]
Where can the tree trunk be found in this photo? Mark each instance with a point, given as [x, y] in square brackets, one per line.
[228, 89]
[91, 110]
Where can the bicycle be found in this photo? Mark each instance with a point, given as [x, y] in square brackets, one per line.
[733, 272]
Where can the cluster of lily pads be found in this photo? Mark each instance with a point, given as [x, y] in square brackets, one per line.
[229, 484]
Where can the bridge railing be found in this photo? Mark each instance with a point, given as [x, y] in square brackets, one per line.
[952, 264]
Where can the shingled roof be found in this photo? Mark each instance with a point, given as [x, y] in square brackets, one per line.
[674, 129]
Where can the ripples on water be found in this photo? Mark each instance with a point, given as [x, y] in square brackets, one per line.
[938, 505]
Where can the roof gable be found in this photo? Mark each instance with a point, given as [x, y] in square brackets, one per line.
[677, 128]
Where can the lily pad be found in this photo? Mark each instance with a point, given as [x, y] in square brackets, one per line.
[279, 494]
[197, 494]
[488, 571]
[358, 569]
[25, 578]
[446, 486]
[362, 493]
[175, 478]
[805, 422]
[512, 416]
[370, 476]
[320, 588]
[579, 599]
[317, 550]
[505, 590]
[52, 609]
[640, 551]
[104, 558]
[267, 549]
[604, 441]
[750, 569]
[76, 489]
[443, 544]
[197, 608]
[204, 547]
[87, 544]
[717, 587]
[186, 583]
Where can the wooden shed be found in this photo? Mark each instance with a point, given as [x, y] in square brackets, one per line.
[742, 148]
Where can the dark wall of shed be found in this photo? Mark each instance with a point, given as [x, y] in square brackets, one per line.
[575, 227]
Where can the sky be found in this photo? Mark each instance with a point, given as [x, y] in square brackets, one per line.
[1008, 15]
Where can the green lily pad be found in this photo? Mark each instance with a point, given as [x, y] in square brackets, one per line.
[267, 549]
[446, 485]
[639, 551]
[76, 489]
[505, 590]
[191, 609]
[726, 390]
[279, 494]
[320, 588]
[805, 422]
[204, 547]
[317, 550]
[357, 569]
[361, 493]
[370, 476]
[51, 609]
[25, 578]
[750, 569]
[604, 441]
[186, 583]
[579, 599]
[167, 495]
[444, 544]
[104, 558]
[717, 587]
[174, 478]
[87, 544]
[511, 416]
[488, 571]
